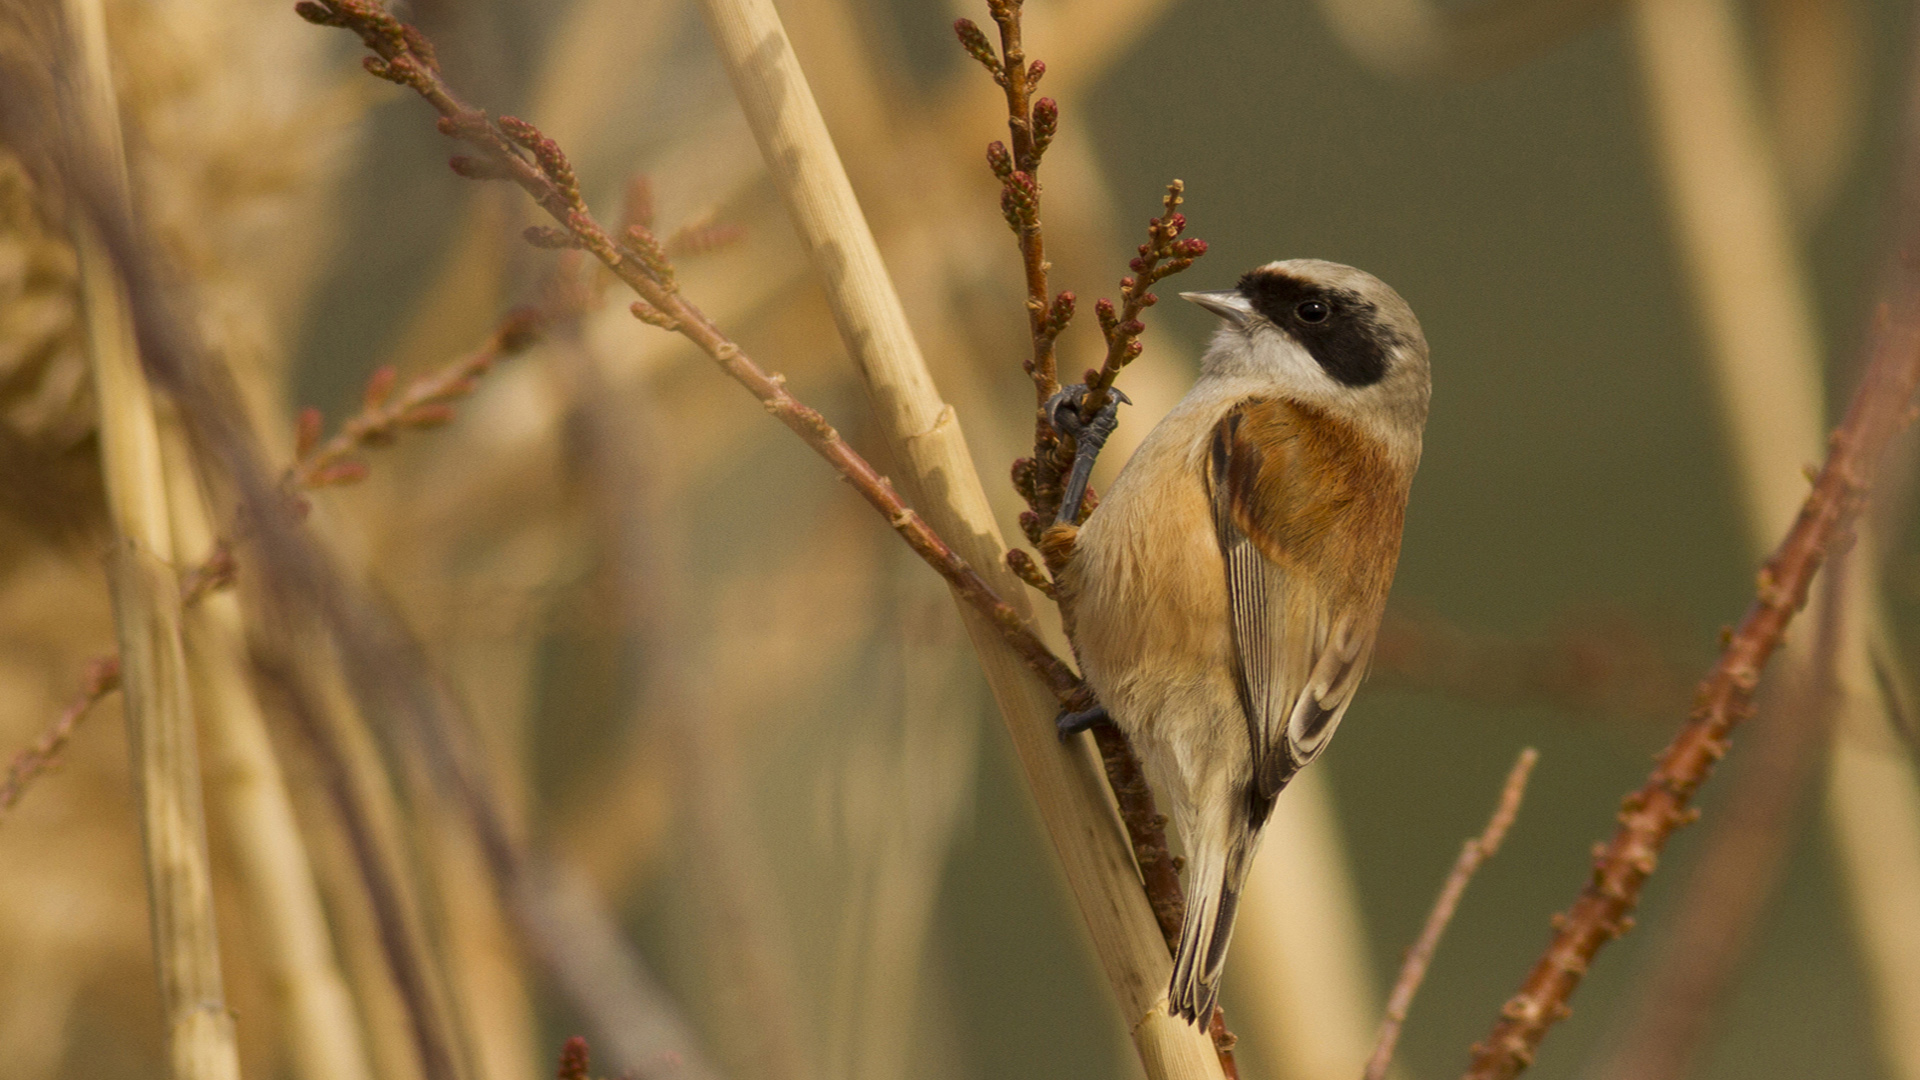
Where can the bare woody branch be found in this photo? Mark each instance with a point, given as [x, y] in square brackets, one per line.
[1031, 126]
[1413, 969]
[514, 150]
[1648, 817]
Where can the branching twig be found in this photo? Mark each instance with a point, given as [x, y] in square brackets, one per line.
[426, 402]
[1413, 970]
[1650, 815]
[1162, 256]
[1031, 125]
[103, 678]
[515, 150]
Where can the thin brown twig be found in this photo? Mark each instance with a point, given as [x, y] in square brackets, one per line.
[1031, 126]
[1731, 882]
[1413, 969]
[1648, 817]
[516, 151]
[426, 402]
[1162, 256]
[103, 678]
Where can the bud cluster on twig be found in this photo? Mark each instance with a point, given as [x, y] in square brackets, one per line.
[516, 151]
[1031, 126]
[1162, 256]
[1041, 478]
[426, 402]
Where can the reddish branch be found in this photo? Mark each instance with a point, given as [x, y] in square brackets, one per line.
[426, 402]
[1162, 256]
[1413, 970]
[1031, 126]
[513, 150]
[1649, 816]
[573, 1060]
[103, 678]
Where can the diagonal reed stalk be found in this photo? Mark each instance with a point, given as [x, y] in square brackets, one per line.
[925, 437]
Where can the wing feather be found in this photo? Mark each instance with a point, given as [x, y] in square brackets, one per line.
[1297, 507]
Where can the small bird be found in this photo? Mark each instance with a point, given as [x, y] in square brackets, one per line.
[1225, 594]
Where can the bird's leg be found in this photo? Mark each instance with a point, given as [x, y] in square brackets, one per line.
[1063, 412]
[1073, 723]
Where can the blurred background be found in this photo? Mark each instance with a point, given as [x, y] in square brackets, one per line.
[742, 720]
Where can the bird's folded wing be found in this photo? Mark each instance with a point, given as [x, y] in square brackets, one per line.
[1301, 639]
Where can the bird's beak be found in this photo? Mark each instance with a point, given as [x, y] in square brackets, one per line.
[1228, 304]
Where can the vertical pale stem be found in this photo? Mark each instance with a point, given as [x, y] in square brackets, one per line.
[942, 485]
[146, 607]
[1303, 977]
[1751, 288]
[256, 810]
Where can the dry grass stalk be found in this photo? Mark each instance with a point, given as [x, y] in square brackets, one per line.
[357, 782]
[146, 603]
[925, 435]
[1413, 969]
[256, 810]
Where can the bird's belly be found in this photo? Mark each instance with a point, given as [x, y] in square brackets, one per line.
[1150, 620]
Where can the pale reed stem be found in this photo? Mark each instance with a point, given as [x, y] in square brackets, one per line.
[146, 607]
[926, 439]
[256, 810]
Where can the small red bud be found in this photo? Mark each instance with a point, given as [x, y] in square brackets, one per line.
[307, 431]
[350, 471]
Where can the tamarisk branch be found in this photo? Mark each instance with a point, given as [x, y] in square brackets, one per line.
[1649, 816]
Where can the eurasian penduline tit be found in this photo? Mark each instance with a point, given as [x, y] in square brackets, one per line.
[1225, 594]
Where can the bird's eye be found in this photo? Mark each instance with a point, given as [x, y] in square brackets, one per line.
[1312, 311]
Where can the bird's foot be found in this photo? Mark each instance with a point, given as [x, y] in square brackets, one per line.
[1073, 723]
[1063, 412]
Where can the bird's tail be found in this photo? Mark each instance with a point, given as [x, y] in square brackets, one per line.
[1216, 873]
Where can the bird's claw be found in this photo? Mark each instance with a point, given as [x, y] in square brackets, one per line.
[1063, 412]
[1070, 724]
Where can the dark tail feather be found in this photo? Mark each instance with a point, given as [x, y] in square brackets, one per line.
[1213, 899]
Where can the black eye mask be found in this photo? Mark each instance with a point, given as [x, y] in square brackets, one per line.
[1349, 342]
